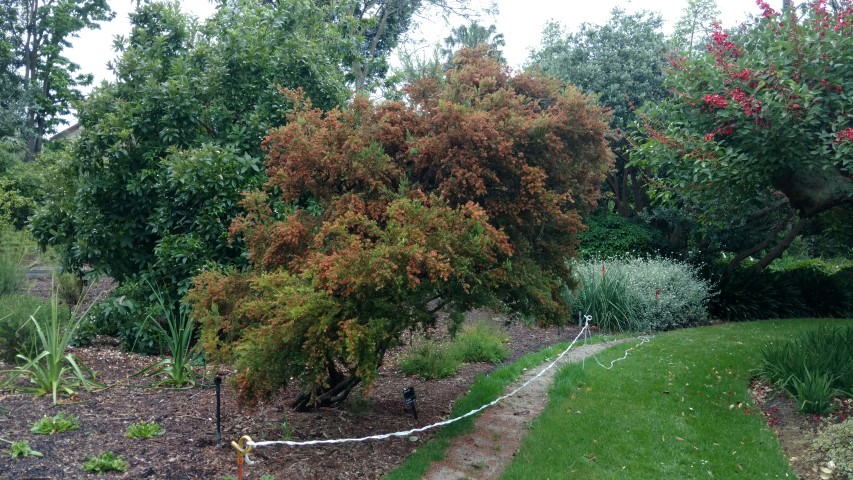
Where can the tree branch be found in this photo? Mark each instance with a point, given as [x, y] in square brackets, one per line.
[740, 257]
[781, 246]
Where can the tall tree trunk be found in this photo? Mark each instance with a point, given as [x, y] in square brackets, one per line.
[781, 246]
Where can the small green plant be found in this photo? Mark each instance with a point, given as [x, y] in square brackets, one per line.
[61, 422]
[106, 462]
[267, 477]
[70, 288]
[836, 441]
[52, 370]
[177, 336]
[430, 360]
[480, 343]
[21, 448]
[142, 430]
[811, 368]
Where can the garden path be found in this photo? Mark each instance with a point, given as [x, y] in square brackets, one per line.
[485, 452]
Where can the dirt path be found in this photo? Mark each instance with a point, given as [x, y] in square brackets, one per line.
[485, 452]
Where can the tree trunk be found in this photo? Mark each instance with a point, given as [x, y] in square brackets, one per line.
[814, 191]
[781, 246]
[740, 257]
[340, 387]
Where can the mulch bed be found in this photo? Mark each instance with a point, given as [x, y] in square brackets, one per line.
[188, 449]
[796, 431]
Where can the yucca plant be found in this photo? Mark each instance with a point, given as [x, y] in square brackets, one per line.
[177, 337]
[51, 370]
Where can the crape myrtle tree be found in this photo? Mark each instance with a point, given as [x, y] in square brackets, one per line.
[376, 217]
[622, 62]
[167, 149]
[761, 125]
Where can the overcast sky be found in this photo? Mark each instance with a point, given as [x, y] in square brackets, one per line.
[520, 21]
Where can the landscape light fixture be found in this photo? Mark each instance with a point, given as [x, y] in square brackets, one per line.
[410, 398]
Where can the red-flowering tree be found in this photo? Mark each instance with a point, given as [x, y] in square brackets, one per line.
[767, 113]
[374, 218]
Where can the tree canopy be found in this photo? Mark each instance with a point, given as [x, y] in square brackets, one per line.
[38, 84]
[376, 217]
[763, 119]
[166, 150]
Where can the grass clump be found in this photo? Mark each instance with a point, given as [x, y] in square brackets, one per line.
[836, 441]
[104, 463]
[21, 448]
[429, 360]
[142, 430]
[177, 337]
[475, 343]
[17, 332]
[811, 368]
[15, 246]
[61, 422]
[480, 343]
[639, 294]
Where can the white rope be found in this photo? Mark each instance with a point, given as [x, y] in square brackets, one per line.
[643, 339]
[407, 433]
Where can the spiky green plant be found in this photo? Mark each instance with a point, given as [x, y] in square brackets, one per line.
[143, 430]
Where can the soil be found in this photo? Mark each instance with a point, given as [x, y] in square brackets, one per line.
[796, 431]
[188, 449]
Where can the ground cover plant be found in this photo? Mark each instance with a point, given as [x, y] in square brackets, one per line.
[21, 448]
[639, 294]
[61, 422]
[104, 463]
[679, 407]
[143, 430]
[836, 441]
[812, 367]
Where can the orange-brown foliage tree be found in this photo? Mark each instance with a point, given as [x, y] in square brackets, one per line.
[376, 217]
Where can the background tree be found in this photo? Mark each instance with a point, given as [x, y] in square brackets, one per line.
[376, 217]
[166, 151]
[471, 36]
[38, 81]
[693, 29]
[622, 62]
[763, 115]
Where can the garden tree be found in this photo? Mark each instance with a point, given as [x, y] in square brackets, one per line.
[622, 62]
[379, 26]
[376, 217]
[764, 116]
[471, 36]
[166, 150]
[38, 81]
[693, 29]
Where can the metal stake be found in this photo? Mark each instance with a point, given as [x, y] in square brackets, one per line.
[218, 383]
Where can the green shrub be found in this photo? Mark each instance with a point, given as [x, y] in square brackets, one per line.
[836, 441]
[430, 360]
[639, 294]
[821, 293]
[749, 294]
[70, 288]
[17, 332]
[125, 313]
[812, 368]
[106, 462]
[610, 235]
[480, 343]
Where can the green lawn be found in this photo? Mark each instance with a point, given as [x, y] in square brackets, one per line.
[670, 411]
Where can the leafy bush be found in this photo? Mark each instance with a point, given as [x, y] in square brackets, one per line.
[61, 422]
[610, 235]
[749, 294]
[480, 343]
[836, 441]
[821, 292]
[812, 368]
[17, 332]
[639, 294]
[430, 360]
[106, 462]
[124, 314]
